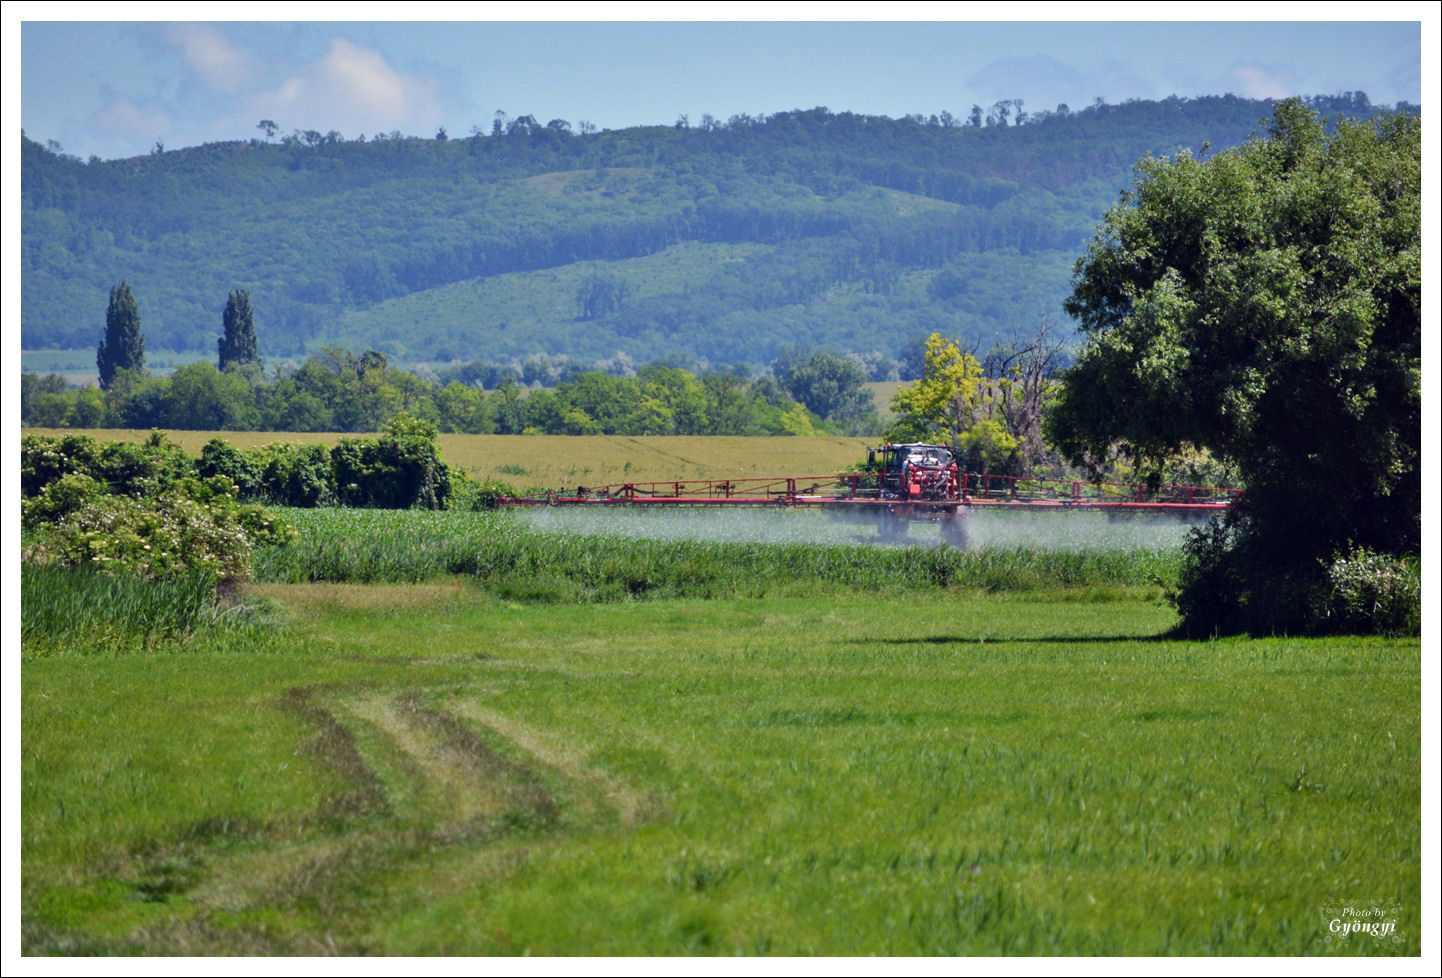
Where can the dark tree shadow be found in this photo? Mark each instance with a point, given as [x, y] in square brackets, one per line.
[1001, 639]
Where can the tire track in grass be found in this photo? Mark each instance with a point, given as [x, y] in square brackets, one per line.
[415, 777]
[456, 778]
[630, 806]
[520, 784]
[447, 786]
[335, 747]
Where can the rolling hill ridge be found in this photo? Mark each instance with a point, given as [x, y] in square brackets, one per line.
[719, 244]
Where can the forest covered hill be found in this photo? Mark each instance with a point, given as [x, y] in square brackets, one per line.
[713, 244]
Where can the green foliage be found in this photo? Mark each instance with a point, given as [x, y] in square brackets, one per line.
[237, 344]
[220, 458]
[129, 469]
[194, 526]
[197, 397]
[468, 494]
[405, 426]
[601, 295]
[45, 459]
[283, 474]
[481, 246]
[36, 390]
[1265, 305]
[943, 403]
[400, 470]
[1372, 593]
[123, 346]
[830, 386]
[64, 497]
[988, 443]
[298, 475]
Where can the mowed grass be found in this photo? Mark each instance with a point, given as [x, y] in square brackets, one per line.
[434, 769]
[556, 461]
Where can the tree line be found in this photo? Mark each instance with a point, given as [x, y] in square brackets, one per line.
[336, 390]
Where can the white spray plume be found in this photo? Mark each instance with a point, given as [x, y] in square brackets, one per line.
[996, 529]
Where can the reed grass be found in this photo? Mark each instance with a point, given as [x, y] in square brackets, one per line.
[80, 611]
[502, 553]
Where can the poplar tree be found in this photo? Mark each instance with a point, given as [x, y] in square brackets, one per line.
[237, 346]
[123, 346]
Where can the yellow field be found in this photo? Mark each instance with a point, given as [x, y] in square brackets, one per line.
[553, 461]
[882, 391]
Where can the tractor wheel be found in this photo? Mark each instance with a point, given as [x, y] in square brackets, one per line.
[954, 531]
[893, 527]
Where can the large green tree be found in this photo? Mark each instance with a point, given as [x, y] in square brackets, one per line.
[123, 346]
[1265, 304]
[831, 386]
[237, 345]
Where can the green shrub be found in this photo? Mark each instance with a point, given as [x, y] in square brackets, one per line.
[193, 527]
[294, 475]
[245, 469]
[469, 495]
[131, 469]
[45, 459]
[1373, 593]
[67, 495]
[1231, 581]
[400, 470]
[138, 470]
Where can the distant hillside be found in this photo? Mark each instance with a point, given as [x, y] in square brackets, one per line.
[723, 242]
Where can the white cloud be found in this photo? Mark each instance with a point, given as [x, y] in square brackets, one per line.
[210, 55]
[1262, 81]
[123, 117]
[352, 89]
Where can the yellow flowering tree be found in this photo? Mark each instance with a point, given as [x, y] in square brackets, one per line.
[944, 402]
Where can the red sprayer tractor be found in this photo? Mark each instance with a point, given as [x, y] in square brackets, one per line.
[903, 484]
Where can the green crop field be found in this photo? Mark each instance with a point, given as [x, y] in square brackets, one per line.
[502, 745]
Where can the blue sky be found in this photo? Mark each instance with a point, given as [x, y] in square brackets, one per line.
[114, 89]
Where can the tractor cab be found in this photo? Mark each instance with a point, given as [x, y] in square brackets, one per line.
[928, 456]
[918, 472]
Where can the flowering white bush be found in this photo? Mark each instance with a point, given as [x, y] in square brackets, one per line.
[195, 525]
[1373, 592]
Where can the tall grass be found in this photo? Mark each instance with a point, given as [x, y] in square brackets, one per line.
[82, 611]
[371, 546]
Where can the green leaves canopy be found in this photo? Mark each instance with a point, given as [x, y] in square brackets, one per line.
[1266, 305]
[1220, 293]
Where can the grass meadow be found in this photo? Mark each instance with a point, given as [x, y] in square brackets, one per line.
[455, 734]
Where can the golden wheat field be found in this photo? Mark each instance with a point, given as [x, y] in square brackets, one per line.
[553, 461]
